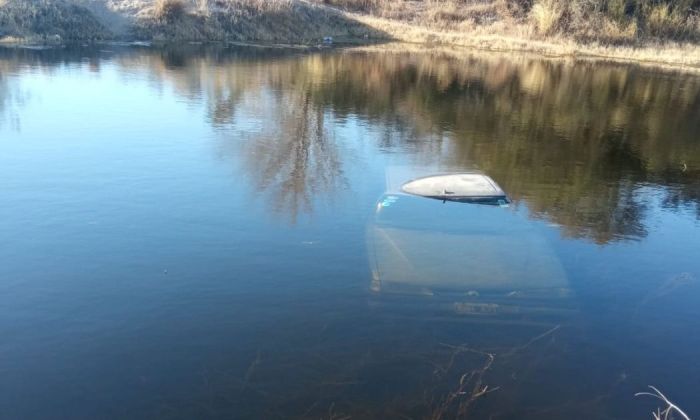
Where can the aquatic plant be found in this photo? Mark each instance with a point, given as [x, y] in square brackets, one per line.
[670, 409]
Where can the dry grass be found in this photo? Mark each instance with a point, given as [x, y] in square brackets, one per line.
[664, 22]
[285, 21]
[609, 21]
[169, 10]
[547, 15]
[666, 31]
[685, 54]
[49, 20]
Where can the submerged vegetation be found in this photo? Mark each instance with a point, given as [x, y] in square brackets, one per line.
[670, 409]
[651, 30]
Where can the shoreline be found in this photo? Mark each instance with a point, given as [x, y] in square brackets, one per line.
[392, 46]
[666, 54]
[352, 29]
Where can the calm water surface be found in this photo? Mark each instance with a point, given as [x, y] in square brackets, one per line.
[196, 233]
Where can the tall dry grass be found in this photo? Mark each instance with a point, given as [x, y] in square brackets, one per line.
[547, 15]
[607, 21]
[49, 20]
[287, 21]
[618, 20]
[652, 30]
[169, 10]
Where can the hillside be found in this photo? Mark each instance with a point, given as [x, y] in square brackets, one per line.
[173, 20]
[647, 30]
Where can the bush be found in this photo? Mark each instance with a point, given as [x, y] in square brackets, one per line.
[169, 10]
[514, 8]
[358, 5]
[547, 16]
[618, 20]
[662, 21]
[50, 19]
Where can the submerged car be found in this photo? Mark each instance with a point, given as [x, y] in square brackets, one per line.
[468, 187]
[455, 238]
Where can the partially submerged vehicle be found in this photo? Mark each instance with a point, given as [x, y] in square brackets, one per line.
[455, 238]
[467, 187]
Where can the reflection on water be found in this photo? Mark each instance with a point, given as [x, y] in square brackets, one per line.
[9, 100]
[145, 279]
[295, 158]
[573, 142]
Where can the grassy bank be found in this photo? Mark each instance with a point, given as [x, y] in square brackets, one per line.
[604, 21]
[652, 51]
[656, 31]
[49, 20]
[247, 20]
[289, 21]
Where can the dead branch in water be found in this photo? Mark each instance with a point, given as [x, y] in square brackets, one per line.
[532, 341]
[471, 380]
[251, 370]
[471, 386]
[666, 413]
[332, 415]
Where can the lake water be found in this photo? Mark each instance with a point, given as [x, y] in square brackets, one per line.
[216, 233]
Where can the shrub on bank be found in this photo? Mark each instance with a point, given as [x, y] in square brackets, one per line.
[631, 22]
[618, 20]
[169, 10]
[52, 20]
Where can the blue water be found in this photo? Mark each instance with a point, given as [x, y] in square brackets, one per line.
[185, 234]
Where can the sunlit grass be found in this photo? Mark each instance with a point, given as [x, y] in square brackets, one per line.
[52, 20]
[169, 10]
[653, 31]
[546, 16]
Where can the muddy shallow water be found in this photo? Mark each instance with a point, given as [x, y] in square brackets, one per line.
[216, 233]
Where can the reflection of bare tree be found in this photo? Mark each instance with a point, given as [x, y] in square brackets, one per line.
[295, 160]
[223, 106]
[9, 100]
[293, 157]
[4, 97]
[573, 142]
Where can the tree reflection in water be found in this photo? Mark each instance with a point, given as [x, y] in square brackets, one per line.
[578, 143]
[9, 100]
[575, 143]
[586, 147]
[295, 158]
